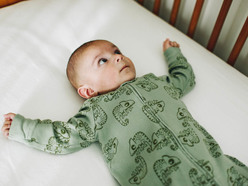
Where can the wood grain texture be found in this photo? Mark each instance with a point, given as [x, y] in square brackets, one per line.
[4, 3]
[219, 24]
[174, 12]
[239, 44]
[195, 17]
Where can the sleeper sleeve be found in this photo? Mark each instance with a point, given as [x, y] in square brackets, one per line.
[55, 137]
[181, 75]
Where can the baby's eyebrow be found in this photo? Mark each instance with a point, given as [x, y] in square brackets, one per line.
[113, 46]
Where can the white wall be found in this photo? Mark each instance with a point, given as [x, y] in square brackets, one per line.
[230, 31]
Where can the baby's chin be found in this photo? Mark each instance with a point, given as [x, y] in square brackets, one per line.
[130, 78]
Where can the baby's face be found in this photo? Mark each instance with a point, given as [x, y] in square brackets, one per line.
[105, 68]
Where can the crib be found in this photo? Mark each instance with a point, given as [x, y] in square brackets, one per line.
[223, 12]
[38, 37]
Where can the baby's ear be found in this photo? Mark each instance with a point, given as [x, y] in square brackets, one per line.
[86, 92]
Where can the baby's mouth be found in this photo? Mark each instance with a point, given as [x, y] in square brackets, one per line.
[124, 67]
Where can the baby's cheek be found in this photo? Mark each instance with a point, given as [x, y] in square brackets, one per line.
[110, 83]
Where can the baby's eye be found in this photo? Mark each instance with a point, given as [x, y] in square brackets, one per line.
[102, 61]
[117, 52]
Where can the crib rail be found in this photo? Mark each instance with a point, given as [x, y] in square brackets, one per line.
[219, 24]
[195, 17]
[193, 23]
[239, 44]
[4, 3]
[216, 30]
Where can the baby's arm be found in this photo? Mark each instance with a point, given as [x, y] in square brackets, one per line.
[54, 137]
[181, 75]
[8, 118]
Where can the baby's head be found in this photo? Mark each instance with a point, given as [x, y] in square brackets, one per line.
[98, 67]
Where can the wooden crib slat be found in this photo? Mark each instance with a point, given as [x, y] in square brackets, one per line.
[141, 2]
[217, 27]
[239, 44]
[218, 24]
[156, 7]
[174, 12]
[4, 3]
[195, 17]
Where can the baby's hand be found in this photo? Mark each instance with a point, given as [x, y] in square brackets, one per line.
[8, 118]
[167, 44]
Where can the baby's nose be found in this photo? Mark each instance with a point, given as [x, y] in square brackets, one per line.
[118, 58]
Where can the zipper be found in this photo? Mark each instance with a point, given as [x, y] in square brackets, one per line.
[192, 159]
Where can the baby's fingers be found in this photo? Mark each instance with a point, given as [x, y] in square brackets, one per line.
[6, 124]
[5, 128]
[9, 116]
[174, 44]
[6, 133]
[166, 44]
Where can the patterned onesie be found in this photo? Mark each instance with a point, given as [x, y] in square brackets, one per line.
[147, 135]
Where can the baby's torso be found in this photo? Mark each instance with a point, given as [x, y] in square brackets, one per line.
[148, 136]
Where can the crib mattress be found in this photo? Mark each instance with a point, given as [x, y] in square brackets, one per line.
[40, 35]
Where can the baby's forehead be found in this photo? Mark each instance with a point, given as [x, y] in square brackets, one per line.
[103, 44]
[95, 49]
[99, 48]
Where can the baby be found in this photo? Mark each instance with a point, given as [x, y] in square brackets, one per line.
[147, 135]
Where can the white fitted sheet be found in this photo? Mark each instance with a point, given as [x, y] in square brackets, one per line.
[37, 38]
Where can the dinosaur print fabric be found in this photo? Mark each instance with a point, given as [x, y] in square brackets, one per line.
[147, 135]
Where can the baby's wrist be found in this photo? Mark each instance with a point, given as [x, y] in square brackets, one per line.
[171, 50]
[165, 49]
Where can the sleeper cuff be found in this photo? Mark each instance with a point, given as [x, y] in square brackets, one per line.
[171, 54]
[20, 128]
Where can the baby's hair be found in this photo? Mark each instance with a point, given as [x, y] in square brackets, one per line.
[71, 70]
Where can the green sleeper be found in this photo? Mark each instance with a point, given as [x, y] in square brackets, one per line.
[147, 135]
